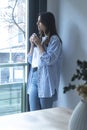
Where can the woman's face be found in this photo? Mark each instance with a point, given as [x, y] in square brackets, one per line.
[40, 25]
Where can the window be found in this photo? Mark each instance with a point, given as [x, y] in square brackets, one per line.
[13, 49]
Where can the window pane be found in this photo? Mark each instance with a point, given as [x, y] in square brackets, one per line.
[12, 30]
[12, 50]
[10, 98]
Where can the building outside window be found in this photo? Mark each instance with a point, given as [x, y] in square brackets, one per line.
[12, 39]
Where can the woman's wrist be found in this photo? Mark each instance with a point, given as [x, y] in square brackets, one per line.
[31, 49]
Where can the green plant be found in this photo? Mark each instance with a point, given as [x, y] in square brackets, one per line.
[81, 74]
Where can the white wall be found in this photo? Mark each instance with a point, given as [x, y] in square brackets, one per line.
[71, 19]
[53, 7]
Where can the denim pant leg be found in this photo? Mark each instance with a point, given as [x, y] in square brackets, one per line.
[33, 96]
[47, 102]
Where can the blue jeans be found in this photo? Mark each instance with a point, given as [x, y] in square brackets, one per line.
[35, 102]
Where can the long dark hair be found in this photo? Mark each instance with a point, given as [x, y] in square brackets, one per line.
[48, 20]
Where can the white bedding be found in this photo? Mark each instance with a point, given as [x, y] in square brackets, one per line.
[48, 119]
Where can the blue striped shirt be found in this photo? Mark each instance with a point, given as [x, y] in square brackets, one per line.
[49, 68]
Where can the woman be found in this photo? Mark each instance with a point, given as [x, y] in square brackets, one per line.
[45, 57]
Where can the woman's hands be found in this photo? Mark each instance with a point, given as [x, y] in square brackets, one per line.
[35, 40]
